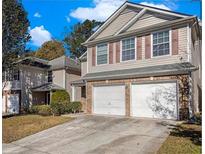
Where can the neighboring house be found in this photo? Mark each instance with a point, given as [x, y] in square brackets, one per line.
[33, 80]
[143, 62]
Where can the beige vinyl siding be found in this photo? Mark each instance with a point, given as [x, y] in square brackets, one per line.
[31, 77]
[89, 59]
[146, 20]
[69, 78]
[195, 45]
[59, 77]
[141, 63]
[117, 24]
[83, 68]
[144, 62]
[183, 39]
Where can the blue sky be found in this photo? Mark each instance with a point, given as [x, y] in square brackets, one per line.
[48, 18]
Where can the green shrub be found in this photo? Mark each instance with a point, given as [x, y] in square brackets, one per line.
[196, 118]
[43, 110]
[74, 107]
[59, 102]
[34, 109]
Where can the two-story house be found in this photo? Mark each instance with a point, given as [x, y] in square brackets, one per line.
[143, 62]
[33, 80]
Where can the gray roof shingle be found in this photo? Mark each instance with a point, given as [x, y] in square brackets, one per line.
[47, 87]
[169, 69]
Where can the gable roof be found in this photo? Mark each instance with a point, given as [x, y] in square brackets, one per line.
[33, 61]
[47, 87]
[135, 5]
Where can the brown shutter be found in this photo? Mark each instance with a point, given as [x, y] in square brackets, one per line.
[147, 47]
[117, 52]
[110, 53]
[93, 56]
[175, 42]
[139, 48]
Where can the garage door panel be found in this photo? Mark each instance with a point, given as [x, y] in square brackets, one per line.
[154, 100]
[13, 103]
[109, 100]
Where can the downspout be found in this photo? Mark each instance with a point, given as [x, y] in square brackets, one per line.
[190, 73]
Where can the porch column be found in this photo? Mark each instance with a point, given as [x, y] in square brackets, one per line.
[73, 93]
[50, 97]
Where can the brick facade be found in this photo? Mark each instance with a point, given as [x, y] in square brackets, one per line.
[183, 88]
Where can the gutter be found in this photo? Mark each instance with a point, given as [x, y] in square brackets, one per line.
[130, 75]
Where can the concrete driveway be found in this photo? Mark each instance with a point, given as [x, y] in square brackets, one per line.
[96, 135]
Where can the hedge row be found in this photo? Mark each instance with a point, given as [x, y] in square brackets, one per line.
[46, 110]
[60, 104]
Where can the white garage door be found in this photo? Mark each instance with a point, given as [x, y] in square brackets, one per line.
[157, 100]
[109, 100]
[13, 103]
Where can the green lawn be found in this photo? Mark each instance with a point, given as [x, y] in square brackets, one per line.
[183, 139]
[17, 127]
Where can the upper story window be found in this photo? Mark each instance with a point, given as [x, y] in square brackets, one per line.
[128, 49]
[50, 76]
[102, 53]
[11, 75]
[161, 43]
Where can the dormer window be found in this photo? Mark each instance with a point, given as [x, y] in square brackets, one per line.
[128, 49]
[161, 45]
[102, 54]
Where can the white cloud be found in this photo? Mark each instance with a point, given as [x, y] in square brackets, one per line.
[161, 6]
[101, 11]
[37, 15]
[39, 35]
[67, 19]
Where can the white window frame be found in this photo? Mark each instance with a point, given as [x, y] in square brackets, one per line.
[170, 43]
[96, 56]
[135, 38]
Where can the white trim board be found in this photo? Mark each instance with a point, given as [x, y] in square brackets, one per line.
[134, 19]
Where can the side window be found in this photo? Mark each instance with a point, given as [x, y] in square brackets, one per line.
[161, 44]
[16, 75]
[11, 75]
[50, 76]
[128, 49]
[102, 54]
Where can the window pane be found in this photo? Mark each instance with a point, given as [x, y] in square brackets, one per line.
[154, 36]
[161, 43]
[128, 49]
[102, 54]
[155, 41]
